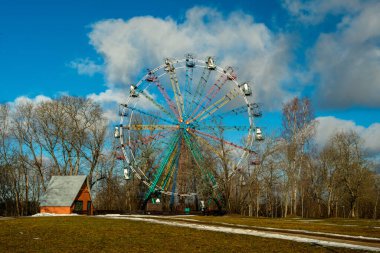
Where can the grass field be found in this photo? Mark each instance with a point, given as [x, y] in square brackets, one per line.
[91, 234]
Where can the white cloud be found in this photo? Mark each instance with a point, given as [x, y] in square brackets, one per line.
[259, 55]
[109, 96]
[347, 62]
[313, 12]
[330, 125]
[371, 135]
[110, 99]
[86, 67]
[24, 99]
[111, 115]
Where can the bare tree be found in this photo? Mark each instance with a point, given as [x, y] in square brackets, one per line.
[7, 174]
[64, 136]
[298, 128]
[351, 167]
[270, 164]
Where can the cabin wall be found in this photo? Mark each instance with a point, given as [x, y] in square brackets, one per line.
[56, 209]
[85, 197]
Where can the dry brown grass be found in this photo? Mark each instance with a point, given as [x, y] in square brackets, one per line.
[90, 234]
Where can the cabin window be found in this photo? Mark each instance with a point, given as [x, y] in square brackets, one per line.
[78, 206]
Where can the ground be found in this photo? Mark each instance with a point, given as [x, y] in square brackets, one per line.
[181, 234]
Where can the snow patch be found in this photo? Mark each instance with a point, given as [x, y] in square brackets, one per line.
[52, 214]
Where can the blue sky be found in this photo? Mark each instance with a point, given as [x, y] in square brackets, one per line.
[328, 50]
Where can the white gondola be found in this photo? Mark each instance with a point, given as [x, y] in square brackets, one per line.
[231, 76]
[257, 113]
[127, 174]
[133, 91]
[169, 66]
[190, 64]
[259, 135]
[122, 113]
[190, 61]
[246, 89]
[117, 132]
[122, 110]
[255, 110]
[210, 63]
[151, 78]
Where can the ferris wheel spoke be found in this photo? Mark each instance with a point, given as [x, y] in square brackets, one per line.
[149, 114]
[150, 138]
[173, 168]
[221, 127]
[208, 176]
[166, 96]
[157, 105]
[230, 75]
[162, 166]
[188, 84]
[207, 143]
[202, 107]
[201, 84]
[216, 106]
[150, 127]
[222, 140]
[212, 92]
[165, 177]
[175, 86]
[198, 158]
[162, 148]
[234, 111]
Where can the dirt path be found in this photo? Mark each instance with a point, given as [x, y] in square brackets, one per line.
[316, 238]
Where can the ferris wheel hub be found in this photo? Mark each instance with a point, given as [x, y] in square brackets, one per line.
[183, 125]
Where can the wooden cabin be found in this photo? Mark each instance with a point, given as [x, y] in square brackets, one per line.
[66, 195]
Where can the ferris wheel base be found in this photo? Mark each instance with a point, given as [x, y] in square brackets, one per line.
[159, 205]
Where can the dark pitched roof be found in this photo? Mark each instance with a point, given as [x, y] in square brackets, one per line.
[62, 190]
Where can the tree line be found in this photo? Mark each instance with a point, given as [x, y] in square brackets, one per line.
[65, 136]
[292, 176]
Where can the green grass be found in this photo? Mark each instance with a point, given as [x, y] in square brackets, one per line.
[357, 227]
[89, 234]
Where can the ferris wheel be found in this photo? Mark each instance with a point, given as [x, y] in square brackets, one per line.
[184, 124]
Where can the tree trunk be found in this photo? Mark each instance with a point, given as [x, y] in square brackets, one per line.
[353, 208]
[286, 206]
[257, 201]
[26, 193]
[294, 204]
[375, 207]
[329, 202]
[302, 200]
